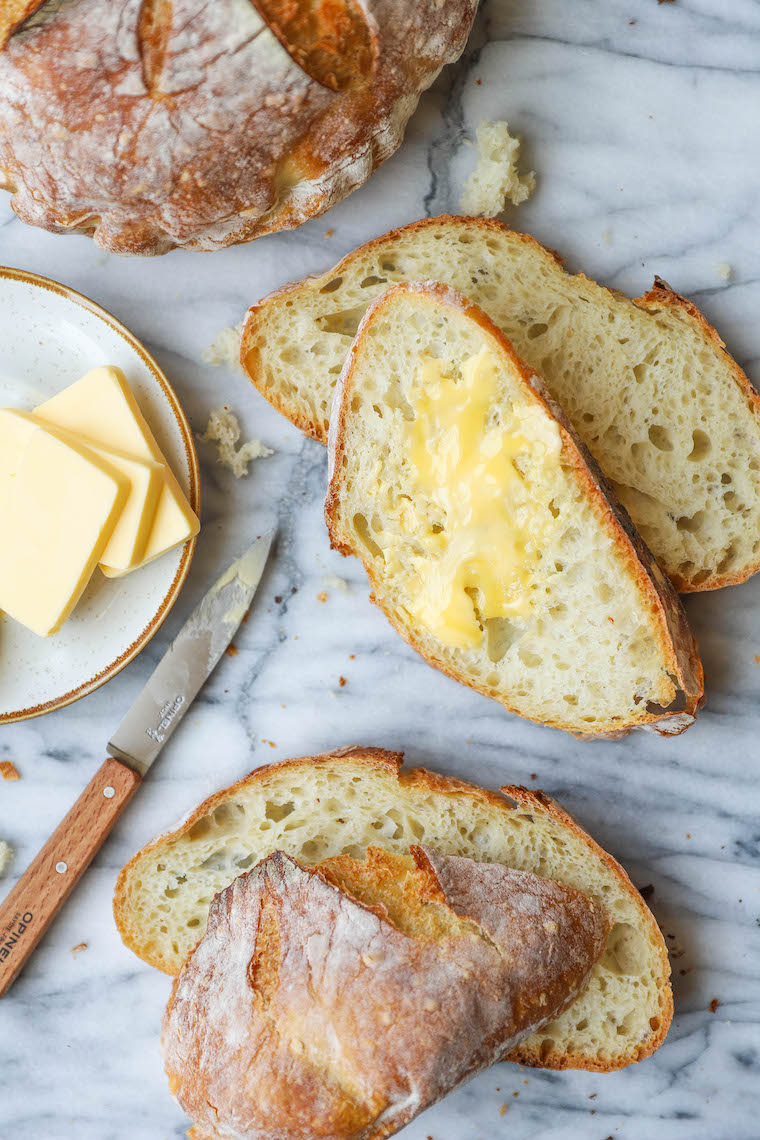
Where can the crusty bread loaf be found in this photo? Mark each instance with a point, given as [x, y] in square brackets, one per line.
[670, 418]
[490, 543]
[341, 803]
[153, 124]
[341, 1001]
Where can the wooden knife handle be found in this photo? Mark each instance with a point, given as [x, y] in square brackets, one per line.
[49, 880]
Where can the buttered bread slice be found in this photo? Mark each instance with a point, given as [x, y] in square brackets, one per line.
[490, 538]
[671, 419]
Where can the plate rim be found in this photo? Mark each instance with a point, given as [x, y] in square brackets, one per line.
[171, 595]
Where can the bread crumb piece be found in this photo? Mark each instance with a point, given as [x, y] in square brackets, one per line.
[713, 1005]
[76, 949]
[223, 429]
[757, 658]
[724, 271]
[8, 770]
[225, 351]
[6, 854]
[322, 596]
[503, 1110]
[495, 179]
[231, 651]
[333, 582]
[329, 233]
[341, 681]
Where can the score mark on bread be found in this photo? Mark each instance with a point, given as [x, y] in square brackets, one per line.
[329, 39]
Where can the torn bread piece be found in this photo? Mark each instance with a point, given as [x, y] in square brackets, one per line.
[6, 854]
[223, 429]
[341, 803]
[496, 179]
[342, 1000]
[648, 386]
[491, 541]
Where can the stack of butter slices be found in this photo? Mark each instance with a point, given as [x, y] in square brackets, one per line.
[82, 483]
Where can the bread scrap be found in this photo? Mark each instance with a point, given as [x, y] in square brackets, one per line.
[648, 386]
[491, 541]
[342, 803]
[340, 1001]
[496, 179]
[155, 124]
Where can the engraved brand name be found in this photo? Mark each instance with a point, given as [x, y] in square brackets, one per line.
[168, 713]
[13, 934]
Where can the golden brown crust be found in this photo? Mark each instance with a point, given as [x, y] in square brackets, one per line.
[674, 635]
[13, 13]
[111, 114]
[305, 1013]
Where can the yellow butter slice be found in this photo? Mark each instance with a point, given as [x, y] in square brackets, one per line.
[59, 503]
[102, 408]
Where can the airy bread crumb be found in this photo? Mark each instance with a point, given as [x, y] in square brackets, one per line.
[724, 271]
[6, 854]
[496, 179]
[225, 350]
[223, 429]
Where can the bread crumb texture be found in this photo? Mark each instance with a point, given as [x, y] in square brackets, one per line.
[8, 770]
[496, 179]
[6, 854]
[342, 804]
[669, 417]
[223, 429]
[225, 350]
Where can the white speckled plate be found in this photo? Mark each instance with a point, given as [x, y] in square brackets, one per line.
[50, 336]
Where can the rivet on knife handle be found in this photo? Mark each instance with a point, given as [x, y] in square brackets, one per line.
[46, 884]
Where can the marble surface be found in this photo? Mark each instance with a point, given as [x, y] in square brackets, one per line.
[641, 122]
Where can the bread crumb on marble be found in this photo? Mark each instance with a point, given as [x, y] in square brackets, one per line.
[223, 429]
[724, 271]
[8, 770]
[6, 854]
[496, 178]
[225, 350]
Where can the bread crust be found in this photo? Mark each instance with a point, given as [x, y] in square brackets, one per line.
[508, 799]
[674, 636]
[304, 1012]
[660, 296]
[111, 116]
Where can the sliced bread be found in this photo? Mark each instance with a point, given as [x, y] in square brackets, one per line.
[342, 803]
[487, 531]
[671, 419]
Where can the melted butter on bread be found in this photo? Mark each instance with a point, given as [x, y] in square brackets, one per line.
[480, 471]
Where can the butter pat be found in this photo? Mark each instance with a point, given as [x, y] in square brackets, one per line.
[478, 514]
[59, 503]
[125, 549]
[102, 408]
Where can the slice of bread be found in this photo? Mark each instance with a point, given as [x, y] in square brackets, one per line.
[487, 531]
[670, 418]
[342, 803]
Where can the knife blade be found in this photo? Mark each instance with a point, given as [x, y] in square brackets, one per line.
[192, 656]
[175, 682]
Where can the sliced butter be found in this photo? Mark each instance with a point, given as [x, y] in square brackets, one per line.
[59, 503]
[125, 550]
[102, 408]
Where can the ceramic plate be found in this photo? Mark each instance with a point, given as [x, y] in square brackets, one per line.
[51, 336]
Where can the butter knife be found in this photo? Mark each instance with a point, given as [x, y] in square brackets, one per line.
[49, 880]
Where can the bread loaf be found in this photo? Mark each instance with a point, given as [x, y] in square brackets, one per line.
[339, 1001]
[342, 803]
[151, 124]
[647, 385]
[490, 539]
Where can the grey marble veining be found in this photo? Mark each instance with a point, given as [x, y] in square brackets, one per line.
[641, 120]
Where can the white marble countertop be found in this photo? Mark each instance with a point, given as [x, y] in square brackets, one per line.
[641, 121]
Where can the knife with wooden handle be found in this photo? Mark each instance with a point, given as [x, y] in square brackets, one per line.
[46, 884]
